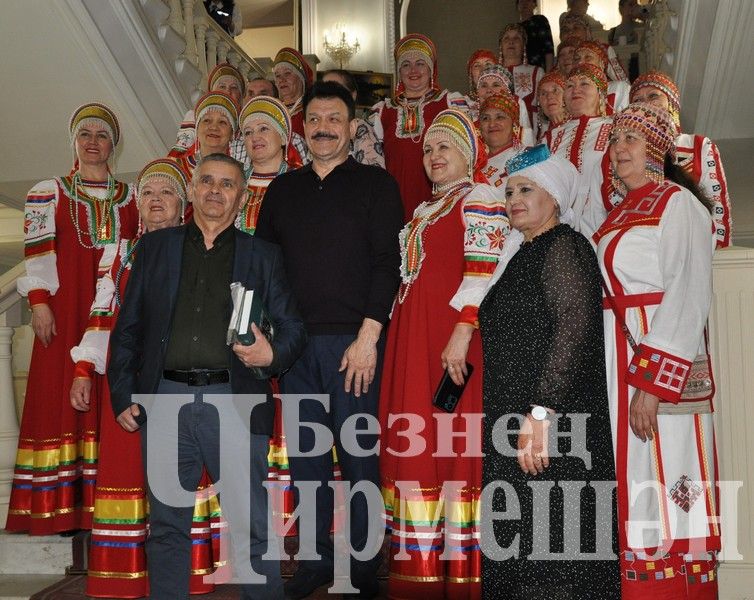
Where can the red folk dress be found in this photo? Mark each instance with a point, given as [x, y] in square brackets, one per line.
[117, 562]
[56, 462]
[434, 551]
[401, 127]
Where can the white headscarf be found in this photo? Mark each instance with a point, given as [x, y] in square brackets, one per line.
[556, 176]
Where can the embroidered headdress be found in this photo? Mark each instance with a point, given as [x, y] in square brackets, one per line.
[594, 73]
[597, 76]
[296, 61]
[95, 112]
[226, 70]
[512, 27]
[478, 55]
[497, 72]
[459, 128]
[666, 85]
[217, 101]
[414, 46]
[596, 48]
[165, 169]
[656, 126]
[271, 110]
[508, 103]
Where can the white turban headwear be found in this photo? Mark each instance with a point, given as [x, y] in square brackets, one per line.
[557, 176]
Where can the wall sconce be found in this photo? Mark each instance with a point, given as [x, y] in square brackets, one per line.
[340, 45]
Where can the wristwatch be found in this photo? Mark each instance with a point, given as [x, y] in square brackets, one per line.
[539, 413]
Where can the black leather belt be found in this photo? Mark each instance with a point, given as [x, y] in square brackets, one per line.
[198, 377]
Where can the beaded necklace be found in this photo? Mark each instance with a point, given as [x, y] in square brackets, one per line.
[247, 215]
[410, 120]
[410, 237]
[99, 232]
[121, 269]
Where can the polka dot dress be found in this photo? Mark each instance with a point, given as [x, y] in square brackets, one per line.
[542, 338]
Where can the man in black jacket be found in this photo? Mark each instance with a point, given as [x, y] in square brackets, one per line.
[337, 222]
[170, 339]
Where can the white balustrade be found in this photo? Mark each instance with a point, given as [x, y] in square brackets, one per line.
[188, 32]
[212, 38]
[222, 51]
[201, 32]
[175, 20]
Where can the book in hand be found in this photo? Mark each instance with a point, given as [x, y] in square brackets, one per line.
[448, 393]
[247, 309]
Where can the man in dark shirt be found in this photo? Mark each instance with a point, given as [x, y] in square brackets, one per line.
[170, 338]
[337, 222]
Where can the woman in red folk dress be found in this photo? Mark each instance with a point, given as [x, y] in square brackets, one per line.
[117, 563]
[449, 251]
[399, 122]
[69, 222]
[655, 252]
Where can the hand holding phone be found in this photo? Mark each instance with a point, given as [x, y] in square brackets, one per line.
[448, 393]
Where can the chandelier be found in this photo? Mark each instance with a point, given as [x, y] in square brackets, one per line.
[340, 45]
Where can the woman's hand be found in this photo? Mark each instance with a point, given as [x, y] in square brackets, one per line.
[43, 323]
[642, 414]
[533, 455]
[81, 390]
[454, 356]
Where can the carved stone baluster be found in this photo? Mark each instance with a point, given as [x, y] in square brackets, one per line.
[245, 69]
[234, 58]
[175, 20]
[188, 28]
[8, 419]
[222, 51]
[655, 47]
[212, 39]
[201, 49]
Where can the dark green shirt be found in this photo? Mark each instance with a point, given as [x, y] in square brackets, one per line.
[203, 307]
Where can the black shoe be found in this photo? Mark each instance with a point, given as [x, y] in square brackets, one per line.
[304, 582]
[367, 589]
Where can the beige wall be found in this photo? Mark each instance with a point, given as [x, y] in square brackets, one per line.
[457, 29]
[265, 41]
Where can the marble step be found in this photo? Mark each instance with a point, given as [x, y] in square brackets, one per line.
[37, 555]
[23, 586]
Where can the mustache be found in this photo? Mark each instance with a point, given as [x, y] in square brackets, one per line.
[324, 135]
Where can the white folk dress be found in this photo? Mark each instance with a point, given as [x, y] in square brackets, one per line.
[655, 252]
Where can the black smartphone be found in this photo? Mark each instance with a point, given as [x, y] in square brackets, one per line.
[449, 393]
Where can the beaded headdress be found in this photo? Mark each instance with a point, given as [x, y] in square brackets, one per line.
[553, 77]
[462, 134]
[166, 169]
[508, 103]
[512, 27]
[86, 113]
[218, 101]
[294, 59]
[271, 110]
[497, 72]
[666, 85]
[656, 126]
[478, 55]
[596, 48]
[226, 70]
[414, 46]
[594, 73]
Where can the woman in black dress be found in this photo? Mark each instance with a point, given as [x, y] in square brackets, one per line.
[542, 337]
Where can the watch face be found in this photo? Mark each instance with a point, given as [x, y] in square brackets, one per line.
[539, 413]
